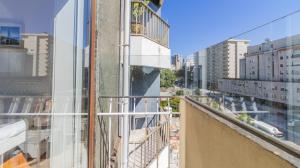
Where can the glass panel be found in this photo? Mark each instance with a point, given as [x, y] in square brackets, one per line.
[44, 61]
[253, 77]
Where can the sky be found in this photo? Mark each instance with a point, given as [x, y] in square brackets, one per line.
[197, 24]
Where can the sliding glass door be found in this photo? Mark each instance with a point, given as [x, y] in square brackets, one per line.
[44, 80]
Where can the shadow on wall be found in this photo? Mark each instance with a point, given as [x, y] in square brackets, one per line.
[145, 81]
[142, 79]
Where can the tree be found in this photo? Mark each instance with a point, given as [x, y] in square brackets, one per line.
[167, 78]
[179, 93]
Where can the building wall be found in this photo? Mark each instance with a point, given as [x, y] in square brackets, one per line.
[107, 72]
[242, 68]
[145, 81]
[276, 60]
[209, 142]
[200, 69]
[176, 62]
[14, 62]
[145, 52]
[223, 60]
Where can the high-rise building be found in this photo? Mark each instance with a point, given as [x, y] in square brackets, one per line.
[223, 60]
[176, 62]
[200, 69]
[271, 74]
[273, 66]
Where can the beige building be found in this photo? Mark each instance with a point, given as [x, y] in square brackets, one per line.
[223, 60]
[277, 60]
[31, 58]
[271, 72]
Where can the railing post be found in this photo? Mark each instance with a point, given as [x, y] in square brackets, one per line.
[109, 133]
[146, 109]
[134, 106]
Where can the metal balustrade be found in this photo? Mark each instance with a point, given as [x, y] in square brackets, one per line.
[146, 141]
[145, 22]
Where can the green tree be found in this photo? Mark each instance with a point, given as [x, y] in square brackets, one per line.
[179, 93]
[174, 104]
[167, 78]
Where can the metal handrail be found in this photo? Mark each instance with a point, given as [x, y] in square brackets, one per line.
[152, 139]
[152, 119]
[143, 3]
[146, 22]
[114, 97]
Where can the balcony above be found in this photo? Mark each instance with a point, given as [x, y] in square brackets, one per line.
[149, 38]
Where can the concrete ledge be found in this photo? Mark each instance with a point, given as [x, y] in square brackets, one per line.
[210, 140]
[145, 52]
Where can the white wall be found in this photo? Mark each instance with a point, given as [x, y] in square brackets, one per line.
[145, 52]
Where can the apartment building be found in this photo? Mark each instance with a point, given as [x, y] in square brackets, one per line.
[223, 60]
[270, 72]
[200, 69]
[270, 67]
[188, 68]
[176, 62]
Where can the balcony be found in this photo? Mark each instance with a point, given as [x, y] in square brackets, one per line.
[213, 137]
[149, 38]
[208, 136]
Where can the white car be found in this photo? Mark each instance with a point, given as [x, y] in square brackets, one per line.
[267, 128]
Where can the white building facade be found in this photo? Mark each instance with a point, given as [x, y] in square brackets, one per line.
[223, 60]
[271, 71]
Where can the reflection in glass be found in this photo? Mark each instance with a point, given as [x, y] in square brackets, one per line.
[44, 59]
[257, 84]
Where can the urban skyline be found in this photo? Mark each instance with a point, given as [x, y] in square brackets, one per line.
[242, 18]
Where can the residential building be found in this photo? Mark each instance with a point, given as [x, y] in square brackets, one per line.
[270, 73]
[223, 60]
[272, 65]
[189, 67]
[176, 62]
[200, 69]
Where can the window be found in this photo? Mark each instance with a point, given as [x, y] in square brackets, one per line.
[10, 35]
[296, 56]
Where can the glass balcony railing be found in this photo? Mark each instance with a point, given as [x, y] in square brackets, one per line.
[147, 23]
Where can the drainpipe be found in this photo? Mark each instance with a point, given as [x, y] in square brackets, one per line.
[126, 76]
